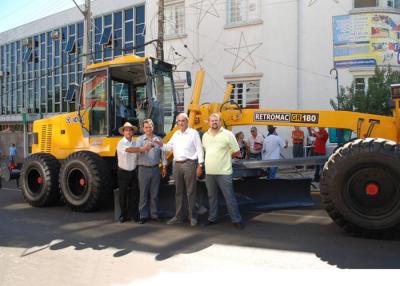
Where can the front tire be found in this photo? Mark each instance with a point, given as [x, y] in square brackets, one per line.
[360, 187]
[39, 180]
[84, 180]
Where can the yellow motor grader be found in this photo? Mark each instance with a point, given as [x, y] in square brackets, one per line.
[73, 154]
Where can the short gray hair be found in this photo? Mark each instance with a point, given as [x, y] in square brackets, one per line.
[184, 115]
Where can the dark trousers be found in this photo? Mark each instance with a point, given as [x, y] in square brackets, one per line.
[185, 184]
[256, 156]
[318, 168]
[298, 150]
[128, 193]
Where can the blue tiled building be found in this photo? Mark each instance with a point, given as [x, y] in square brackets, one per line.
[37, 67]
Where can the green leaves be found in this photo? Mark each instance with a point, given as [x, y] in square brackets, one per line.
[375, 100]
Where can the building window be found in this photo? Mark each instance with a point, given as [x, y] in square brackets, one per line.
[106, 37]
[140, 30]
[28, 55]
[117, 34]
[393, 4]
[70, 47]
[243, 11]
[246, 93]
[360, 85]
[365, 3]
[174, 24]
[180, 98]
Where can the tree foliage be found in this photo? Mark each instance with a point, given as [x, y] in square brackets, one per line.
[376, 99]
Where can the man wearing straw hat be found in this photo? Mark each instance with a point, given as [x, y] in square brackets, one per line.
[127, 174]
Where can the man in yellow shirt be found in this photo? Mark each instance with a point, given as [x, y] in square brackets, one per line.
[220, 145]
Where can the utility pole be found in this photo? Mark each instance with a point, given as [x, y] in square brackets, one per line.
[160, 44]
[86, 31]
[160, 82]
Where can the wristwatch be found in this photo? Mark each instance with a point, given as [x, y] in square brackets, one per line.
[201, 164]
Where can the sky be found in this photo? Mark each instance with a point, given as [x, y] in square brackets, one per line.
[14, 13]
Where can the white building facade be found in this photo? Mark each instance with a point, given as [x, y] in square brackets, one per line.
[276, 53]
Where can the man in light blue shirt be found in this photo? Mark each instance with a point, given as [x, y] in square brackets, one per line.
[13, 153]
[149, 172]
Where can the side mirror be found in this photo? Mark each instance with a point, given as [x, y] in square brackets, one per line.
[188, 78]
[72, 92]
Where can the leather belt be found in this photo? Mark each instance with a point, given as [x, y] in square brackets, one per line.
[184, 161]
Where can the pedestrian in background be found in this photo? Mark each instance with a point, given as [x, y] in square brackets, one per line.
[149, 172]
[12, 150]
[298, 142]
[220, 146]
[319, 148]
[187, 166]
[243, 145]
[255, 144]
[272, 147]
[127, 174]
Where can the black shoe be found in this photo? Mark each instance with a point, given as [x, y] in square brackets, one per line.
[238, 225]
[209, 222]
[121, 219]
[142, 220]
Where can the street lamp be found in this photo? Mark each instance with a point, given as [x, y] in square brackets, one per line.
[336, 77]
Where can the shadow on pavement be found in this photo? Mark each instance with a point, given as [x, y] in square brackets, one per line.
[302, 230]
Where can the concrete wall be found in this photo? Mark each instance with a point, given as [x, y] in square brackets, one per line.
[293, 59]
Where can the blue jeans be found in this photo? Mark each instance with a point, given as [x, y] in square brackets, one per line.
[272, 172]
[225, 184]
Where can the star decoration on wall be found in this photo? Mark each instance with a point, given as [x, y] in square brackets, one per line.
[205, 7]
[243, 53]
[174, 57]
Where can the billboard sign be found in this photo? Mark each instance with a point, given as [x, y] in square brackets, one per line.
[366, 40]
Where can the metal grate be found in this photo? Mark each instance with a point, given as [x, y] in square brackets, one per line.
[45, 140]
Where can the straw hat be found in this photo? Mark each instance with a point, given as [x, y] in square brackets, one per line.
[127, 125]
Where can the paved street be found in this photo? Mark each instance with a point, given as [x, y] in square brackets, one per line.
[55, 246]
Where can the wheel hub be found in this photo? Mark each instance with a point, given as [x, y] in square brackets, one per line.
[372, 192]
[34, 181]
[76, 181]
[372, 189]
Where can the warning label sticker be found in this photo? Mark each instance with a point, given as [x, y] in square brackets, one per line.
[286, 117]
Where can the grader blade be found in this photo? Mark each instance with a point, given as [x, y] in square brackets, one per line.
[261, 195]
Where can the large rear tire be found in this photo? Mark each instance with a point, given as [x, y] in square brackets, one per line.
[360, 187]
[39, 180]
[85, 181]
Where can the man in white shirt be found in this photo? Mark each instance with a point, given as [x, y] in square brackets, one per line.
[188, 161]
[127, 175]
[272, 149]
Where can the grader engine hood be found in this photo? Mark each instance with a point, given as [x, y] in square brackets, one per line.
[63, 134]
[58, 133]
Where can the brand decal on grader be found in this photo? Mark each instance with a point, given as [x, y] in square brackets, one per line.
[286, 117]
